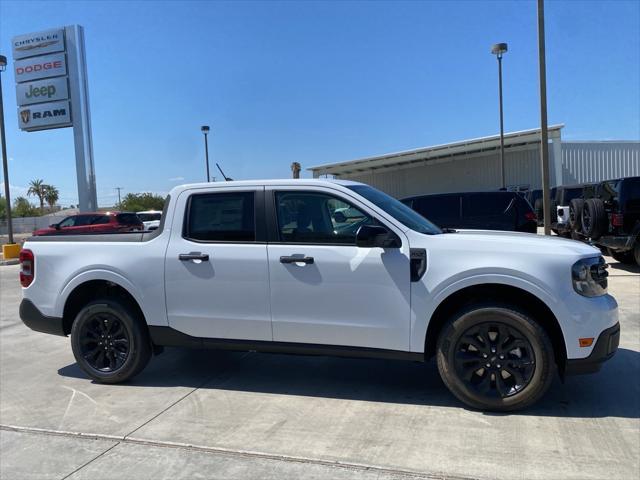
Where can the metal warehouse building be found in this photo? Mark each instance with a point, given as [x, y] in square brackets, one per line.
[474, 165]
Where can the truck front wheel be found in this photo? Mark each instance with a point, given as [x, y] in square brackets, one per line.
[493, 357]
[109, 340]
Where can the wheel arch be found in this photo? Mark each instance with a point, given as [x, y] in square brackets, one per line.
[84, 292]
[516, 296]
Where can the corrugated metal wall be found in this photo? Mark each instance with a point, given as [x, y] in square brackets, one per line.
[596, 161]
[476, 172]
[581, 162]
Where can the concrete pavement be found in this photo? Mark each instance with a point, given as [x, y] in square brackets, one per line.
[206, 414]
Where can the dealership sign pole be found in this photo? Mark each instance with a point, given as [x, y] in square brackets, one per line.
[52, 92]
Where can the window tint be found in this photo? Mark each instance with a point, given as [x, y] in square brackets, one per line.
[309, 217]
[68, 222]
[221, 217]
[149, 217]
[443, 210]
[82, 220]
[128, 219]
[479, 204]
[100, 219]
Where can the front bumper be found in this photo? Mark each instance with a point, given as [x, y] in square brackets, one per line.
[35, 320]
[605, 348]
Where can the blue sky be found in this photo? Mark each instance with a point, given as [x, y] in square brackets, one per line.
[316, 82]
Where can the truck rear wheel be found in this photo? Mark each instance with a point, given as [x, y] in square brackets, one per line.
[492, 357]
[109, 340]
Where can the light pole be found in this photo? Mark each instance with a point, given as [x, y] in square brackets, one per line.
[544, 134]
[5, 166]
[498, 50]
[205, 130]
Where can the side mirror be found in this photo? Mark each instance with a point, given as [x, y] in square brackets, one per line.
[369, 236]
[55, 225]
[339, 217]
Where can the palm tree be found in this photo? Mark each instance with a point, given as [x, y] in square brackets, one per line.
[37, 188]
[51, 195]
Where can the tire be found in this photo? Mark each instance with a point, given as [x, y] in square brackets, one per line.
[575, 214]
[628, 256]
[553, 214]
[538, 209]
[116, 321]
[594, 218]
[481, 388]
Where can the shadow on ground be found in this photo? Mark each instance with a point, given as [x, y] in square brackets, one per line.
[625, 267]
[612, 392]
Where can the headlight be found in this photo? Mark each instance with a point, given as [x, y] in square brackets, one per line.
[589, 276]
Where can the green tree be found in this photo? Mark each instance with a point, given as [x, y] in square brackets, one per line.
[3, 208]
[137, 202]
[23, 208]
[38, 189]
[51, 195]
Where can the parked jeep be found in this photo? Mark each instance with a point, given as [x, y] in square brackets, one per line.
[611, 218]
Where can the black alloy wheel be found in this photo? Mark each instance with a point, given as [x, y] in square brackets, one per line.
[495, 356]
[110, 340]
[494, 359]
[105, 342]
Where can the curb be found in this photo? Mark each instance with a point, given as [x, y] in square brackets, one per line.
[13, 261]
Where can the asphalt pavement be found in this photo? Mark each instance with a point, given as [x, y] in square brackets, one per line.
[209, 414]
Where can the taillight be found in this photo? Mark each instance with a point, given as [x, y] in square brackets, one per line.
[530, 216]
[617, 219]
[28, 267]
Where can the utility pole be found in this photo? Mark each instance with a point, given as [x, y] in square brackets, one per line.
[544, 134]
[119, 201]
[5, 166]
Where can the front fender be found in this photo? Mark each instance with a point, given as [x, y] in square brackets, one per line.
[425, 300]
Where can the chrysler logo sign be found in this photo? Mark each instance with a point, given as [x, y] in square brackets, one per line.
[39, 43]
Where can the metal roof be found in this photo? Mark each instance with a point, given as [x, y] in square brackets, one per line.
[464, 147]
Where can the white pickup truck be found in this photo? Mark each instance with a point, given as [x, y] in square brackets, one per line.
[277, 266]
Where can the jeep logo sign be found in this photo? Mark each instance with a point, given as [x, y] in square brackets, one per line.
[40, 67]
[44, 115]
[41, 91]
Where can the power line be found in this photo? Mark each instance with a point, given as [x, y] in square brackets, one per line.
[118, 189]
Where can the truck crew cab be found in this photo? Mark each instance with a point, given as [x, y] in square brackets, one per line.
[278, 266]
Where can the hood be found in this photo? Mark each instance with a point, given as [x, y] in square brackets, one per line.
[531, 243]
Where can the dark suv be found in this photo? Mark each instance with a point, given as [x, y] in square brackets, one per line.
[612, 218]
[477, 210]
[570, 198]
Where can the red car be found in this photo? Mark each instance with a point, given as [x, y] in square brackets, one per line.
[100, 222]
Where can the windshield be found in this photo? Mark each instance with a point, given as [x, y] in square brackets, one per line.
[398, 210]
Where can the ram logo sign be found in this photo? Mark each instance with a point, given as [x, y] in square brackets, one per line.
[43, 115]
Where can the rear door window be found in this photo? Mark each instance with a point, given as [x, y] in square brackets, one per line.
[443, 210]
[128, 219]
[490, 210]
[221, 217]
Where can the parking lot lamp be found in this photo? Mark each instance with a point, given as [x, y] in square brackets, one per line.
[5, 166]
[205, 130]
[498, 50]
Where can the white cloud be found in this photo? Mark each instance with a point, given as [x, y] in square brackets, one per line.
[176, 179]
[14, 190]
